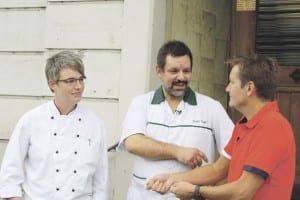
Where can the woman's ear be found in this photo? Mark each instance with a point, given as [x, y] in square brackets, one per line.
[51, 84]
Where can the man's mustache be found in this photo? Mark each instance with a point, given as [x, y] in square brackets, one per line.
[179, 81]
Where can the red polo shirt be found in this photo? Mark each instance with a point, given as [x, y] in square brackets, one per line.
[265, 146]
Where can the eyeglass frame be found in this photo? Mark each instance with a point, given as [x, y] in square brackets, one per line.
[72, 81]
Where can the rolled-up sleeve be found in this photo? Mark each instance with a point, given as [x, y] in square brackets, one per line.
[135, 120]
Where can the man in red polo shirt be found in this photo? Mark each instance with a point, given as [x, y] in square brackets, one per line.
[259, 159]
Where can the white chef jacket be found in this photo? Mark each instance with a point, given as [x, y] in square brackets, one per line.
[53, 157]
[199, 122]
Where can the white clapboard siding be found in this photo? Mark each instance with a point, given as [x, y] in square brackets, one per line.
[24, 74]
[90, 25]
[14, 108]
[22, 3]
[21, 30]
[103, 74]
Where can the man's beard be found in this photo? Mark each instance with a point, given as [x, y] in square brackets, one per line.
[176, 93]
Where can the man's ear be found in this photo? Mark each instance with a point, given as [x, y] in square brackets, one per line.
[158, 71]
[251, 89]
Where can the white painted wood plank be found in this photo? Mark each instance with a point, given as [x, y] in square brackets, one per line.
[92, 25]
[24, 74]
[11, 111]
[22, 3]
[22, 30]
[103, 74]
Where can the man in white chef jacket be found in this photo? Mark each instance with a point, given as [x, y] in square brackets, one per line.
[57, 150]
[173, 128]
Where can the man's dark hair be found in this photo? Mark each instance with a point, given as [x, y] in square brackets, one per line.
[174, 48]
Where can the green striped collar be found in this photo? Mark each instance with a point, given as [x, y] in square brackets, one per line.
[189, 96]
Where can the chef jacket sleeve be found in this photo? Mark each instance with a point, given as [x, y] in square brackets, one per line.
[101, 180]
[12, 173]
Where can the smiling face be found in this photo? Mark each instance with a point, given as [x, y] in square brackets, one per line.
[67, 94]
[175, 75]
[237, 93]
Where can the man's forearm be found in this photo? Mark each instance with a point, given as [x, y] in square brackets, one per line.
[206, 175]
[149, 148]
[198, 176]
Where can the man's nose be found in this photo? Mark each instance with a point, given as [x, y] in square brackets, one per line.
[181, 75]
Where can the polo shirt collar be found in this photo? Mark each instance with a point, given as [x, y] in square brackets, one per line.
[189, 96]
[269, 107]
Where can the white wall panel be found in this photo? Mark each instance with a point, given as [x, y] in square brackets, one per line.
[11, 111]
[22, 30]
[22, 3]
[103, 74]
[23, 74]
[92, 25]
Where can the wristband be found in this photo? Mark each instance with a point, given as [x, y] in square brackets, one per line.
[197, 195]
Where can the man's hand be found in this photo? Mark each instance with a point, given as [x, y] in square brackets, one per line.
[183, 190]
[160, 183]
[190, 156]
[152, 149]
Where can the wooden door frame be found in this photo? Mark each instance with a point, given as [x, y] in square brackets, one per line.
[245, 34]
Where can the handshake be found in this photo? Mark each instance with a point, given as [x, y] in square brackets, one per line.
[170, 183]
